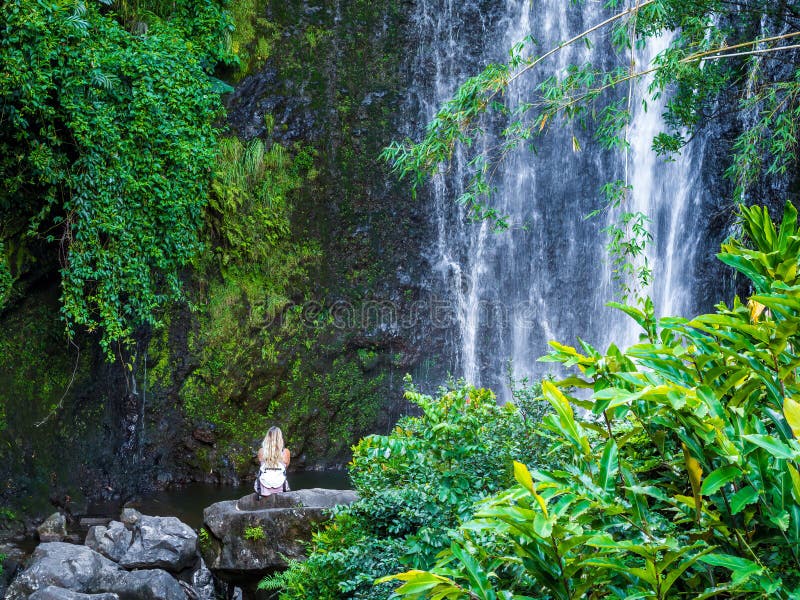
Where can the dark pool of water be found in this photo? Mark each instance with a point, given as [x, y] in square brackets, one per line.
[187, 503]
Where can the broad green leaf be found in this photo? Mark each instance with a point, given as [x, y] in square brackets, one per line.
[608, 466]
[566, 417]
[695, 476]
[719, 477]
[523, 476]
[788, 226]
[475, 573]
[673, 575]
[744, 497]
[741, 568]
[795, 481]
[775, 447]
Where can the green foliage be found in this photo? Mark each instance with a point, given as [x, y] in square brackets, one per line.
[6, 279]
[107, 149]
[206, 26]
[250, 209]
[203, 537]
[414, 485]
[680, 470]
[254, 37]
[254, 533]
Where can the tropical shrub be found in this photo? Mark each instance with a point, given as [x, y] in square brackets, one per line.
[681, 471]
[414, 485]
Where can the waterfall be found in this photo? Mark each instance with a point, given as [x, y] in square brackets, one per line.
[547, 277]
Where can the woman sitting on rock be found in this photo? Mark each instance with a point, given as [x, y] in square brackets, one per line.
[274, 459]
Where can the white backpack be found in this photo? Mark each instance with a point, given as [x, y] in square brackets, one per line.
[270, 480]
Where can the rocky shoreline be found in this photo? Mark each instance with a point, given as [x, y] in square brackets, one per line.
[161, 558]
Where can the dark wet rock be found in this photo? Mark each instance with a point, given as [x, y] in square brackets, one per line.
[88, 522]
[286, 520]
[203, 582]
[52, 592]
[53, 529]
[204, 435]
[76, 568]
[140, 541]
[149, 584]
[13, 562]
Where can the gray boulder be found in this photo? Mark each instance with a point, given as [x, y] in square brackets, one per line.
[56, 593]
[53, 528]
[62, 565]
[150, 584]
[203, 582]
[111, 541]
[251, 537]
[138, 541]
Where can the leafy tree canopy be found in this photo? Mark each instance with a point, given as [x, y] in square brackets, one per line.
[107, 147]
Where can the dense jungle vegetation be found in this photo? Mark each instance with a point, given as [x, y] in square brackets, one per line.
[675, 476]
[665, 470]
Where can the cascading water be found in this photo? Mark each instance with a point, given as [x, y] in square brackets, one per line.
[547, 277]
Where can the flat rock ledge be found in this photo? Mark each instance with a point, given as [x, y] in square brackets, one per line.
[252, 537]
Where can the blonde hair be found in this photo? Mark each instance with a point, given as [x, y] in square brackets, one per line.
[272, 448]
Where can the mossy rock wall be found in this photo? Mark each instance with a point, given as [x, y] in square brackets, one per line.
[70, 424]
[310, 338]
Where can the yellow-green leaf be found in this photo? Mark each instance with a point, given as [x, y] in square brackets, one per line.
[795, 482]
[791, 410]
[695, 478]
[523, 476]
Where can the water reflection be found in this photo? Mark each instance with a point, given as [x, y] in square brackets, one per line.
[187, 502]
